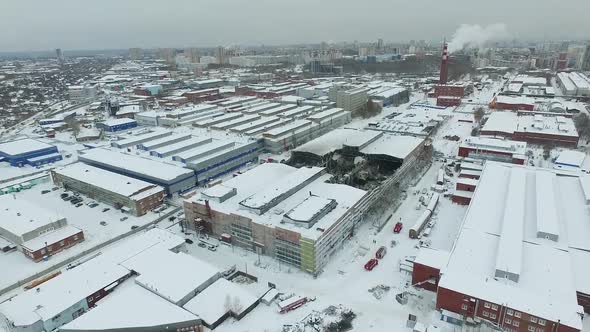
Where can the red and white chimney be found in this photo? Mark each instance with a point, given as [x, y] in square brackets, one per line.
[444, 64]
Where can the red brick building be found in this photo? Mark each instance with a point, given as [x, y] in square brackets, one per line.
[493, 149]
[52, 243]
[199, 96]
[513, 103]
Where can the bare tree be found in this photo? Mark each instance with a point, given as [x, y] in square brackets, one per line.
[582, 122]
[479, 114]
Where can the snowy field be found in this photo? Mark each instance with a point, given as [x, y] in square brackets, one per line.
[86, 218]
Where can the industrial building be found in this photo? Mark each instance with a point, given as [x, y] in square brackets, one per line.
[172, 178]
[132, 141]
[415, 121]
[128, 194]
[114, 125]
[35, 231]
[350, 100]
[247, 207]
[493, 149]
[28, 152]
[390, 96]
[534, 129]
[519, 262]
[574, 84]
[447, 94]
[513, 103]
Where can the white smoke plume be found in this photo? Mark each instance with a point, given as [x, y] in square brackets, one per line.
[476, 36]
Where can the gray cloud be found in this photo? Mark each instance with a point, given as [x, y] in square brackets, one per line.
[80, 24]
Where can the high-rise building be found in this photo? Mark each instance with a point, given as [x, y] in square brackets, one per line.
[135, 53]
[380, 44]
[192, 54]
[221, 56]
[60, 56]
[586, 59]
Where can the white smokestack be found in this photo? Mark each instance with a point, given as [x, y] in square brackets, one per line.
[476, 36]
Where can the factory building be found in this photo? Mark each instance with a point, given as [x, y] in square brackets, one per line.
[28, 152]
[574, 84]
[493, 149]
[122, 192]
[390, 96]
[245, 207]
[517, 266]
[35, 231]
[173, 178]
[141, 138]
[513, 103]
[351, 100]
[533, 129]
[115, 125]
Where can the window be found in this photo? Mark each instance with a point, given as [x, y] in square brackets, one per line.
[509, 312]
[533, 319]
[540, 329]
[531, 328]
[43, 251]
[541, 322]
[76, 237]
[516, 323]
[486, 305]
[517, 314]
[486, 314]
[494, 307]
[493, 316]
[508, 321]
[464, 307]
[62, 242]
[90, 299]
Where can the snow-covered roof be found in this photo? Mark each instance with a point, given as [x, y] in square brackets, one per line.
[519, 235]
[62, 292]
[396, 146]
[432, 257]
[113, 182]
[337, 139]
[510, 122]
[22, 146]
[271, 175]
[52, 237]
[570, 158]
[131, 306]
[136, 164]
[221, 297]
[173, 276]
[493, 144]
[134, 140]
[19, 217]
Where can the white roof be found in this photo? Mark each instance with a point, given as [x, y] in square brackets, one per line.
[18, 216]
[337, 138]
[62, 292]
[393, 145]
[113, 182]
[22, 146]
[136, 164]
[571, 158]
[510, 122]
[134, 140]
[131, 306]
[500, 231]
[432, 257]
[268, 175]
[494, 144]
[211, 304]
[116, 122]
[50, 238]
[172, 276]
[307, 209]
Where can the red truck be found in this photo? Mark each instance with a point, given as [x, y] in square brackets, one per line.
[398, 227]
[371, 264]
[381, 252]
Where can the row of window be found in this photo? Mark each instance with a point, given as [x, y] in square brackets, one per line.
[508, 320]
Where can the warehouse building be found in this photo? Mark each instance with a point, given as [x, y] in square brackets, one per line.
[390, 96]
[513, 103]
[251, 208]
[173, 178]
[128, 194]
[115, 125]
[176, 148]
[35, 231]
[574, 84]
[351, 100]
[141, 138]
[517, 266]
[533, 129]
[28, 152]
[493, 149]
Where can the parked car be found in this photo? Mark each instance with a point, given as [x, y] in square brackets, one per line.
[105, 209]
[371, 264]
[202, 245]
[78, 205]
[124, 218]
[64, 195]
[398, 227]
[381, 252]
[93, 205]
[104, 223]
[212, 248]
[43, 192]
[134, 227]
[189, 241]
[68, 198]
[172, 218]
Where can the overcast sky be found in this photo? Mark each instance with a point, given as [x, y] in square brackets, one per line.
[99, 24]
